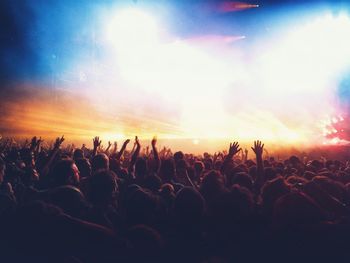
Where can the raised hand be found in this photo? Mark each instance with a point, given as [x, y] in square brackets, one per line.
[97, 142]
[135, 154]
[155, 153]
[137, 142]
[35, 142]
[126, 142]
[258, 148]
[58, 142]
[154, 141]
[115, 146]
[234, 148]
[120, 153]
[108, 147]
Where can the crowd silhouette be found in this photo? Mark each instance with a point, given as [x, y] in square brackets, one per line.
[68, 204]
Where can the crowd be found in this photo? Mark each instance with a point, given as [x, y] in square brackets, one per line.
[68, 204]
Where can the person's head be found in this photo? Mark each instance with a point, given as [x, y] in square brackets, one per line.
[189, 207]
[167, 189]
[233, 206]
[271, 191]
[78, 154]
[100, 162]
[152, 183]
[243, 179]
[270, 173]
[294, 161]
[212, 186]
[65, 172]
[178, 156]
[212, 180]
[84, 167]
[102, 188]
[316, 164]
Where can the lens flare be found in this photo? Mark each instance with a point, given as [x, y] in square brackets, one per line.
[149, 81]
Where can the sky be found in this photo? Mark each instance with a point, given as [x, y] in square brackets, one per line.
[34, 32]
[179, 69]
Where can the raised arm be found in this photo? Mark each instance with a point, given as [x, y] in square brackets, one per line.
[97, 142]
[115, 147]
[135, 154]
[52, 155]
[245, 155]
[234, 149]
[155, 153]
[258, 150]
[108, 147]
[120, 153]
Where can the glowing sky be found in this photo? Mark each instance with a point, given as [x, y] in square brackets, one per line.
[154, 69]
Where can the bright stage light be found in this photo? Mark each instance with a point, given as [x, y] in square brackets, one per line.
[309, 57]
[276, 95]
[131, 29]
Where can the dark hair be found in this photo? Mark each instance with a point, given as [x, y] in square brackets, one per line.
[63, 173]
[243, 179]
[84, 167]
[189, 207]
[99, 162]
[102, 187]
[78, 154]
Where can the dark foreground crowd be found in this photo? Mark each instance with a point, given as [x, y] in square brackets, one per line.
[112, 205]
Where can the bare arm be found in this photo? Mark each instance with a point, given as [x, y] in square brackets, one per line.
[115, 147]
[58, 142]
[135, 154]
[120, 153]
[108, 147]
[155, 153]
[97, 142]
[258, 150]
[234, 149]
